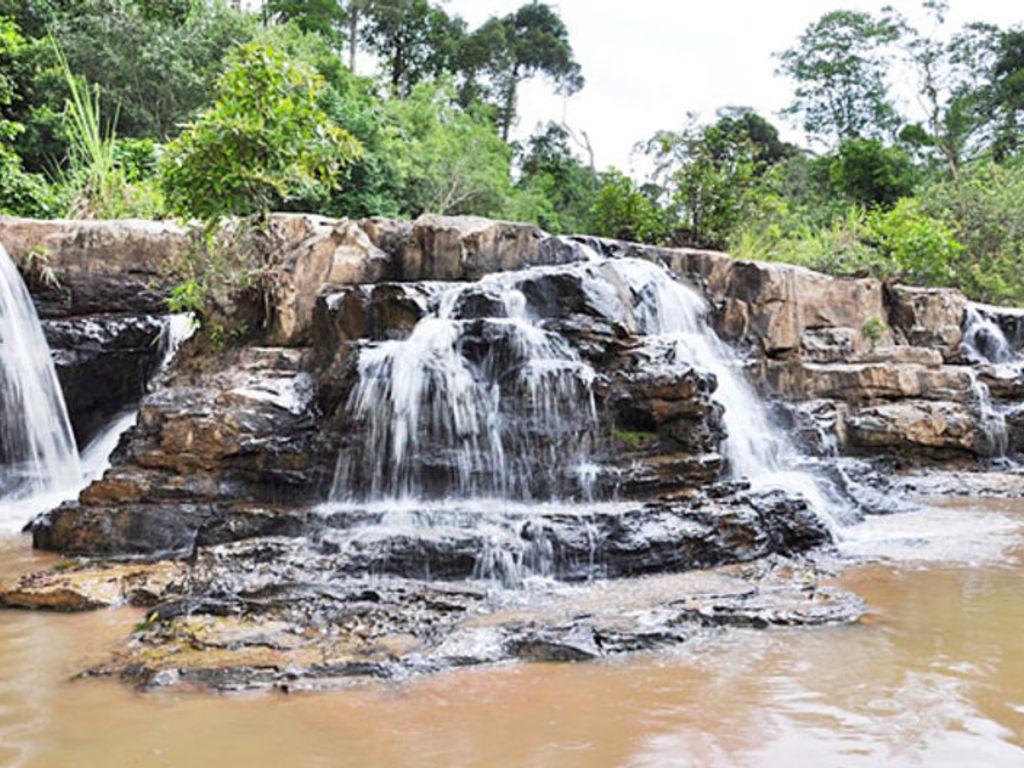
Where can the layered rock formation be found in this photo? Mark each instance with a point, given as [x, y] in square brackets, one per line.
[357, 352]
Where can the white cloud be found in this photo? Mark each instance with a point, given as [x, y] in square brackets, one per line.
[649, 62]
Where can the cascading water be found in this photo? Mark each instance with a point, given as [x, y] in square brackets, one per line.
[487, 404]
[96, 455]
[669, 311]
[985, 343]
[471, 407]
[39, 463]
[40, 466]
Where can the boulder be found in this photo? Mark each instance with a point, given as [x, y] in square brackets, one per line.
[917, 427]
[124, 266]
[377, 312]
[82, 588]
[309, 252]
[928, 317]
[232, 452]
[104, 363]
[867, 382]
[466, 248]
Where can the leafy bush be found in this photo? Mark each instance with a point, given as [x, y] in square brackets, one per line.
[264, 140]
[984, 209]
[21, 193]
[915, 247]
[452, 160]
[622, 210]
[904, 244]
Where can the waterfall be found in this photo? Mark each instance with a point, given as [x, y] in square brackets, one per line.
[39, 463]
[985, 343]
[40, 467]
[757, 451]
[471, 406]
[96, 455]
[482, 400]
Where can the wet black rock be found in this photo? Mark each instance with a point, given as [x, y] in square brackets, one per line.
[104, 364]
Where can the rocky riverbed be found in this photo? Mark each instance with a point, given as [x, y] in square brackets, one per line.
[426, 435]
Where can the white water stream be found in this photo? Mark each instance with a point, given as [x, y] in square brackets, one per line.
[427, 404]
[40, 466]
[985, 343]
[38, 458]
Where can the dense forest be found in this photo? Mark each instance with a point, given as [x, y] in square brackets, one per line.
[206, 109]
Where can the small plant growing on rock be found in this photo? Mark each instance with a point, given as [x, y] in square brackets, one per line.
[874, 331]
[35, 266]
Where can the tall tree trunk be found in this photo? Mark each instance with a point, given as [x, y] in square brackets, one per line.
[510, 103]
[353, 34]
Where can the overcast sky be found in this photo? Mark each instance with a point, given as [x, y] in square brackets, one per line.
[648, 62]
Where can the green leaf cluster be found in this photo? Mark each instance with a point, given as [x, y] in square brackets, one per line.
[265, 139]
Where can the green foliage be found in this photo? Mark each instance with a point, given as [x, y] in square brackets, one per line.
[265, 140]
[414, 40]
[621, 210]
[138, 158]
[736, 124]
[983, 208]
[708, 175]
[533, 40]
[325, 18]
[635, 439]
[157, 69]
[21, 193]
[839, 66]
[555, 189]
[867, 172]
[98, 184]
[451, 159]
[904, 243]
[371, 184]
[188, 298]
[874, 330]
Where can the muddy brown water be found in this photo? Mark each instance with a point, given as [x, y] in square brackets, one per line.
[933, 676]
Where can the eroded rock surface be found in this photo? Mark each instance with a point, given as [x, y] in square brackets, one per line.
[105, 363]
[281, 626]
[213, 497]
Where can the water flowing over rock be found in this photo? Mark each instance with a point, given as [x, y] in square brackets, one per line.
[430, 423]
[38, 456]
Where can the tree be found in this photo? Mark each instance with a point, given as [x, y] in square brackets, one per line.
[533, 40]
[550, 172]
[413, 39]
[623, 211]
[154, 69]
[867, 172]
[737, 123]
[1008, 94]
[708, 174]
[839, 66]
[451, 159]
[327, 18]
[21, 193]
[265, 139]
[951, 85]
